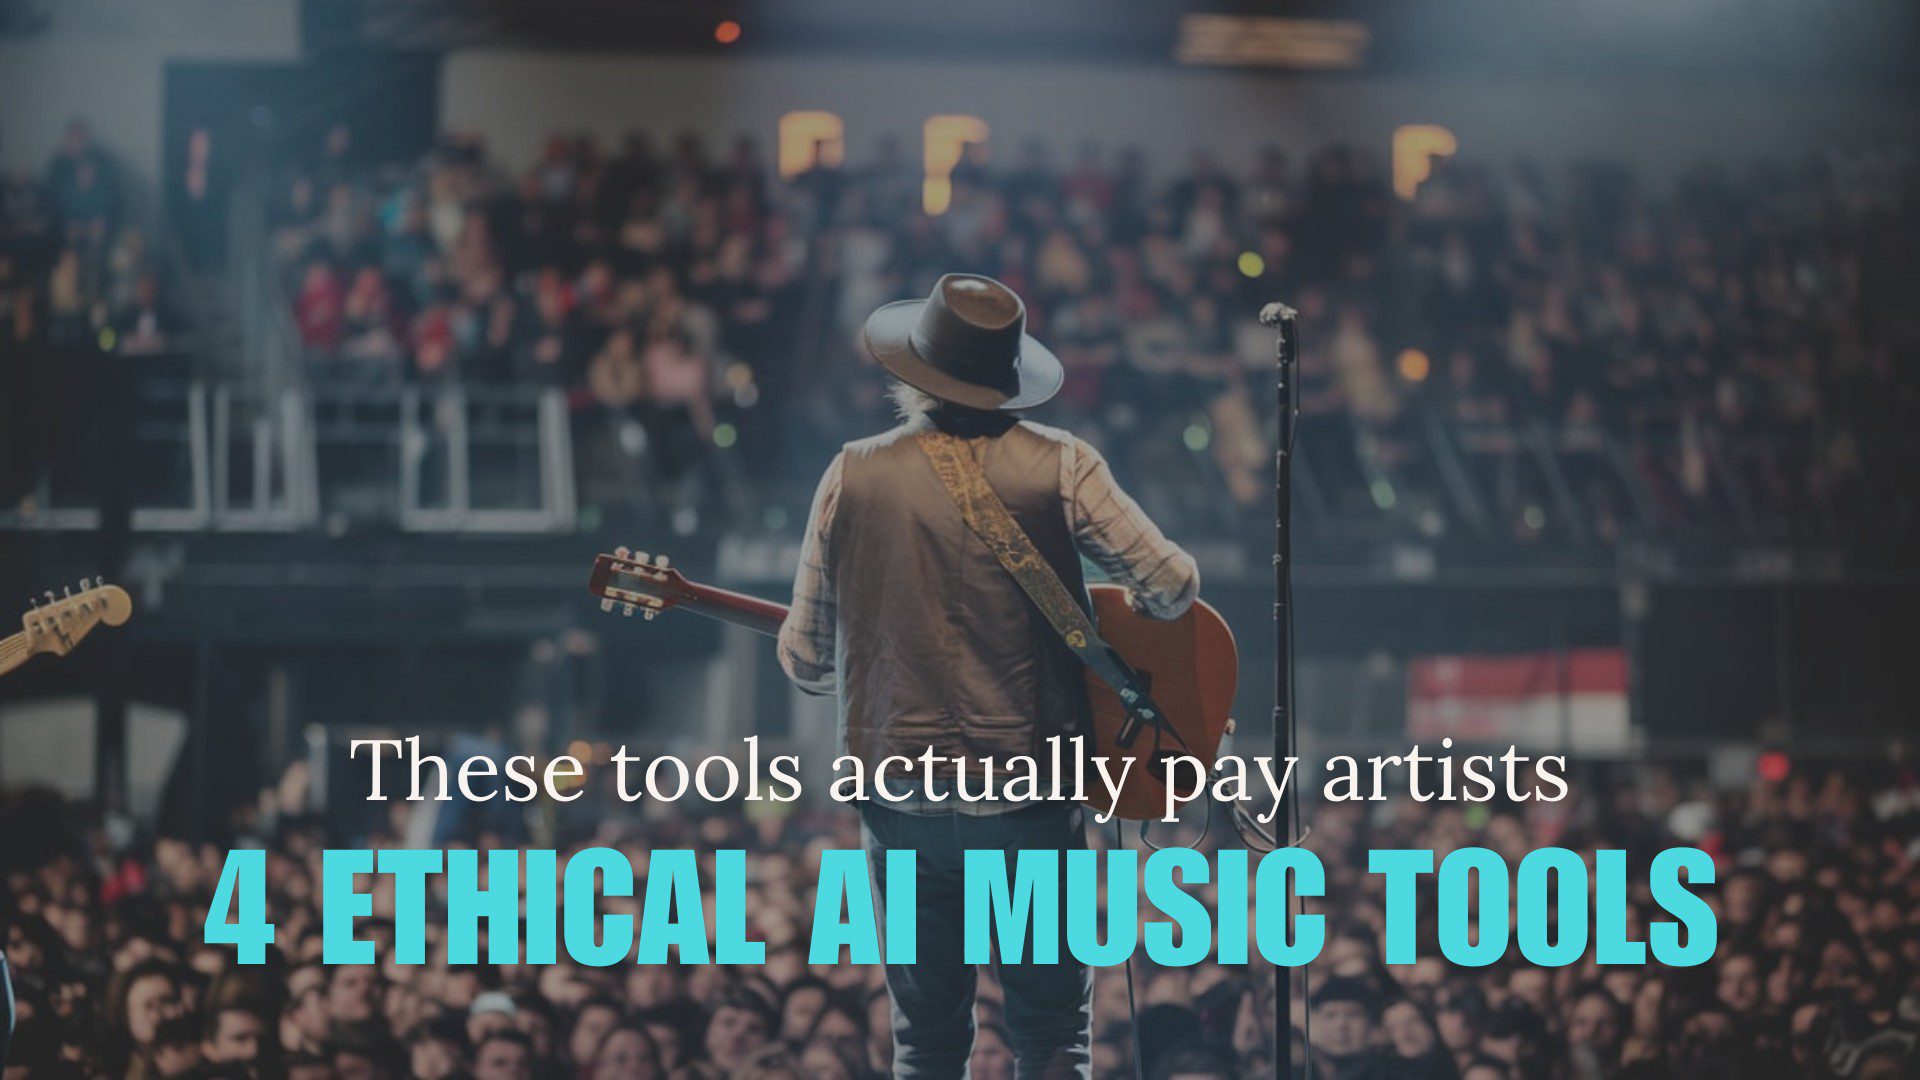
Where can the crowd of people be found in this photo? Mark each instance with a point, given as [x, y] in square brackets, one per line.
[77, 269]
[1514, 354]
[1816, 974]
[1717, 355]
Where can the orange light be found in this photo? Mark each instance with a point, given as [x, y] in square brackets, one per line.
[727, 32]
[946, 139]
[1414, 365]
[809, 138]
[1414, 148]
[1773, 766]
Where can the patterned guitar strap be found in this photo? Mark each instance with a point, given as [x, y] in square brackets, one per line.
[992, 522]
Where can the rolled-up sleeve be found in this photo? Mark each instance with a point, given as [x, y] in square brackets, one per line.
[1118, 537]
[806, 645]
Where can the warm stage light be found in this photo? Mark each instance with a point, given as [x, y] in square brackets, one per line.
[1414, 148]
[727, 32]
[1773, 766]
[810, 137]
[946, 138]
[1251, 264]
[1272, 41]
[1414, 365]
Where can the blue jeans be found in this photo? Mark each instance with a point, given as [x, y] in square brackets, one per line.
[1049, 1014]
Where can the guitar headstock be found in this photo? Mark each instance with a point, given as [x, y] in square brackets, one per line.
[55, 625]
[629, 581]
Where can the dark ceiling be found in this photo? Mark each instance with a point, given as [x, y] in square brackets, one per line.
[1770, 39]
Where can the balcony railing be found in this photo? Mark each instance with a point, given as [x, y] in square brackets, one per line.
[198, 453]
[209, 455]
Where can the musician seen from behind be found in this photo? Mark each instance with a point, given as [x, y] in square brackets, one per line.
[906, 614]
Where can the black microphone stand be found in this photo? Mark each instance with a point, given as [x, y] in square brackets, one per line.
[6, 1007]
[1286, 355]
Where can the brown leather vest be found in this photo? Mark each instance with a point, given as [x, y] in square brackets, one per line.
[936, 645]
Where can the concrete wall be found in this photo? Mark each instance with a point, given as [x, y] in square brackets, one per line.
[516, 96]
[103, 60]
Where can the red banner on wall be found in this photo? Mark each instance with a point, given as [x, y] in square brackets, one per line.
[1545, 700]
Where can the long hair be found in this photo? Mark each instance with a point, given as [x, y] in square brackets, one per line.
[911, 403]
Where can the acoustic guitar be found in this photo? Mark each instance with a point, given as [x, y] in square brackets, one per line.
[57, 625]
[1188, 665]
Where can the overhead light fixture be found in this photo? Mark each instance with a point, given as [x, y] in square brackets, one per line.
[1271, 41]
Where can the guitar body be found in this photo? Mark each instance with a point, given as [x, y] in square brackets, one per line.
[1189, 666]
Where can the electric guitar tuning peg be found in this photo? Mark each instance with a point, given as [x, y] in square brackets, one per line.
[640, 556]
[626, 609]
[620, 552]
[660, 561]
[66, 593]
[650, 613]
[50, 597]
[606, 605]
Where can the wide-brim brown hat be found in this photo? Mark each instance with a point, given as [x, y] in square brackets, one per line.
[965, 343]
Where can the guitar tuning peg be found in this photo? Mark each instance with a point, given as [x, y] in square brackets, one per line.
[626, 609]
[640, 556]
[99, 582]
[650, 613]
[66, 593]
[50, 597]
[606, 605]
[660, 561]
[621, 552]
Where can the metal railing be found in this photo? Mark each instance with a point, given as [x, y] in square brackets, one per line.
[327, 451]
[165, 467]
[1429, 476]
[211, 455]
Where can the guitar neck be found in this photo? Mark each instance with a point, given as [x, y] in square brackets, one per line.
[14, 651]
[738, 609]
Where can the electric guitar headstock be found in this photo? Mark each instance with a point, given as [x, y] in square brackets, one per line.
[58, 623]
[630, 581]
